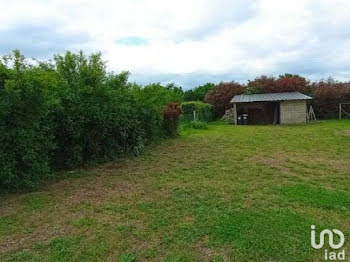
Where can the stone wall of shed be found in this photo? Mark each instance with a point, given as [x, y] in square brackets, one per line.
[293, 112]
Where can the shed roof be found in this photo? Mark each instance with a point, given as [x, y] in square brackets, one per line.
[269, 97]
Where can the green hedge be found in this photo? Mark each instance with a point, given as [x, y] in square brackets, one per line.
[71, 113]
[204, 111]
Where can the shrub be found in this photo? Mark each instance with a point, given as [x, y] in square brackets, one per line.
[204, 111]
[171, 114]
[284, 83]
[26, 136]
[198, 93]
[197, 125]
[290, 83]
[261, 85]
[97, 119]
[71, 112]
[250, 90]
[327, 96]
[150, 101]
[221, 96]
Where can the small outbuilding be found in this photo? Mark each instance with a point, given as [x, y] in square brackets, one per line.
[271, 108]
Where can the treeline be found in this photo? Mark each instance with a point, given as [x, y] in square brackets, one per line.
[70, 112]
[327, 94]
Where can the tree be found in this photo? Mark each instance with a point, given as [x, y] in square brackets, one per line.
[260, 85]
[221, 96]
[327, 94]
[291, 83]
[198, 93]
[284, 83]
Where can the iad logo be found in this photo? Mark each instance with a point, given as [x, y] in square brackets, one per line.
[331, 255]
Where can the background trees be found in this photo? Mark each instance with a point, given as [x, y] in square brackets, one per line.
[221, 95]
[198, 93]
[327, 94]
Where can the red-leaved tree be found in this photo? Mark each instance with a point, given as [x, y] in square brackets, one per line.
[261, 84]
[221, 96]
[284, 83]
[290, 83]
[327, 96]
[171, 115]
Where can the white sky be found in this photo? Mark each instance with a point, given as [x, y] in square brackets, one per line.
[188, 42]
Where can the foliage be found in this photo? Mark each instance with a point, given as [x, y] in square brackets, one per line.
[261, 84]
[72, 112]
[197, 125]
[284, 83]
[204, 111]
[221, 96]
[250, 90]
[327, 96]
[26, 134]
[198, 93]
[127, 257]
[171, 115]
[290, 83]
[151, 100]
[157, 95]
[97, 119]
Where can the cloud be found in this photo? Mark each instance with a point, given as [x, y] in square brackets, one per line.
[131, 41]
[184, 80]
[188, 42]
[41, 41]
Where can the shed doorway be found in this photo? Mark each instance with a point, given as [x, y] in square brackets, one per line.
[259, 113]
[276, 112]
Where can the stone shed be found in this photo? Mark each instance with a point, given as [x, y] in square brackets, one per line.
[272, 108]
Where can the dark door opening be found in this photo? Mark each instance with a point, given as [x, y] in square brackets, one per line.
[258, 113]
[276, 113]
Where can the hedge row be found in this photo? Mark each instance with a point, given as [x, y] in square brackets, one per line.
[69, 113]
[204, 111]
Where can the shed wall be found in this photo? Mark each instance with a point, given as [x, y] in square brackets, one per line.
[293, 112]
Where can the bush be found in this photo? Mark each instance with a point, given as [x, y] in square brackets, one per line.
[204, 111]
[171, 114]
[70, 113]
[251, 90]
[221, 96]
[284, 83]
[198, 93]
[260, 85]
[151, 101]
[197, 125]
[26, 135]
[290, 83]
[327, 96]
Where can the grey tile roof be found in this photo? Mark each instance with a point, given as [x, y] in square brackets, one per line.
[269, 97]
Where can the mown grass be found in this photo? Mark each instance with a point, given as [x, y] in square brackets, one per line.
[227, 193]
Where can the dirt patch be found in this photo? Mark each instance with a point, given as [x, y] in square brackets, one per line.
[345, 132]
[276, 161]
[23, 240]
[209, 254]
[284, 162]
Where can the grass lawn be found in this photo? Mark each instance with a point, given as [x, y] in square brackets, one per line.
[228, 193]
